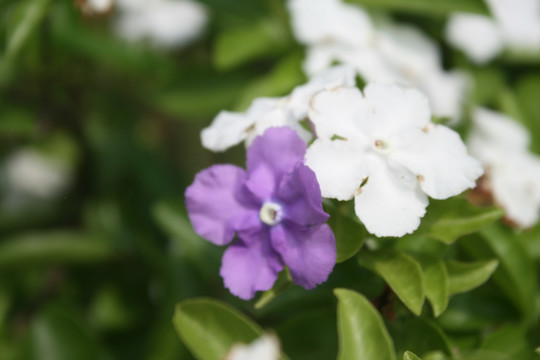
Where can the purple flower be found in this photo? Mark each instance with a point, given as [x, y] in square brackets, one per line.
[275, 210]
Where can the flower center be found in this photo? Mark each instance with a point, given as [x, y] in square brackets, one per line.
[382, 146]
[270, 213]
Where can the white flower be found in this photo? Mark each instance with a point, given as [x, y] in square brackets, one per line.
[476, 35]
[32, 174]
[165, 23]
[385, 53]
[231, 128]
[342, 23]
[519, 22]
[512, 171]
[382, 150]
[264, 348]
[516, 25]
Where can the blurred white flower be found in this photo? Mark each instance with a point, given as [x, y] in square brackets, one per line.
[165, 23]
[476, 35]
[231, 128]
[382, 150]
[516, 26]
[513, 173]
[519, 22]
[383, 53]
[95, 7]
[31, 174]
[264, 348]
[343, 24]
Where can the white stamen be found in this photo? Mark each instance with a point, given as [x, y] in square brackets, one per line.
[270, 213]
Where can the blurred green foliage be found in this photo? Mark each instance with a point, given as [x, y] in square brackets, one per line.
[96, 272]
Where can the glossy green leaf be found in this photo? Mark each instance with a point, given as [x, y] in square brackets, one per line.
[428, 7]
[467, 276]
[437, 285]
[516, 273]
[209, 327]
[410, 356]
[53, 247]
[236, 46]
[447, 220]
[402, 273]
[350, 236]
[361, 331]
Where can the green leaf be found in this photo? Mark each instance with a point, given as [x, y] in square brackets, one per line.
[209, 328]
[447, 220]
[350, 236]
[437, 285]
[361, 331]
[428, 7]
[467, 276]
[402, 273]
[34, 11]
[52, 247]
[235, 46]
[410, 356]
[516, 273]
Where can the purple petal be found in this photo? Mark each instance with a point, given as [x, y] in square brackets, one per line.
[250, 265]
[216, 205]
[300, 195]
[261, 183]
[278, 149]
[310, 252]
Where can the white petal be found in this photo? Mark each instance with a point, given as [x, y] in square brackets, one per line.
[274, 112]
[497, 128]
[396, 109]
[446, 92]
[476, 35]
[338, 112]
[516, 187]
[519, 21]
[390, 204]
[439, 159]
[342, 75]
[320, 57]
[165, 23]
[264, 348]
[227, 129]
[407, 49]
[318, 21]
[340, 167]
